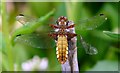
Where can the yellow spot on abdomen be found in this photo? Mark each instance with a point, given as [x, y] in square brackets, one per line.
[62, 49]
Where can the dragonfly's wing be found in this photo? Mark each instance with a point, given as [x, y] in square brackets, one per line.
[88, 48]
[36, 40]
[91, 23]
[24, 19]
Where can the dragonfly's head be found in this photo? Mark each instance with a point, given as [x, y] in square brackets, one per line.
[62, 21]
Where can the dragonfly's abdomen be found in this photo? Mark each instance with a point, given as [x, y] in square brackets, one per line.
[62, 49]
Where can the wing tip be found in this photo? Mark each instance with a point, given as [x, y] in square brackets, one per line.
[101, 14]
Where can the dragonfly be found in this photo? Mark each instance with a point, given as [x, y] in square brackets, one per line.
[60, 36]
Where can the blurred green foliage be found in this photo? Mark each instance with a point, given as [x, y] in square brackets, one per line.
[112, 34]
[108, 47]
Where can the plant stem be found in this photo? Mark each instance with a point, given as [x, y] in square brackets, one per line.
[6, 35]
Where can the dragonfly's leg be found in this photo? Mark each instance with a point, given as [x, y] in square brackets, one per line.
[53, 35]
[70, 35]
[53, 26]
[71, 26]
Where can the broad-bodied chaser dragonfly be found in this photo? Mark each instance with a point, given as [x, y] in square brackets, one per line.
[61, 35]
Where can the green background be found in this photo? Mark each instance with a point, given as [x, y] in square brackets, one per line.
[108, 51]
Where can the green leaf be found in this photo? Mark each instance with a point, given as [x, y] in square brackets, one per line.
[106, 65]
[1, 41]
[112, 34]
[91, 23]
[30, 27]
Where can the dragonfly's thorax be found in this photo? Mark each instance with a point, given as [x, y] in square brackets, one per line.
[62, 32]
[62, 24]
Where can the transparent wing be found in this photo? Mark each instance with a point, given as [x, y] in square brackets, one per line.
[88, 48]
[24, 19]
[36, 40]
[91, 23]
